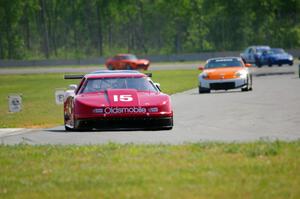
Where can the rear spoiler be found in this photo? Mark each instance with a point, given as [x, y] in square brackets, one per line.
[81, 76]
[73, 76]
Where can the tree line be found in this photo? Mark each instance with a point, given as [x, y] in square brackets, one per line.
[47, 29]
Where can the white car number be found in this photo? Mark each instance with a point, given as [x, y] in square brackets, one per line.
[123, 98]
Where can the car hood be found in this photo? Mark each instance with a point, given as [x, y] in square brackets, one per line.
[122, 98]
[281, 56]
[222, 73]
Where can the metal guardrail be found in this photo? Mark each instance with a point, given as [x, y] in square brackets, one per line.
[153, 58]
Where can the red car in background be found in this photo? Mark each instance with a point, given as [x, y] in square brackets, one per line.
[116, 100]
[126, 62]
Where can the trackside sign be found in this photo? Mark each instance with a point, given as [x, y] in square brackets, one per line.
[15, 103]
[59, 96]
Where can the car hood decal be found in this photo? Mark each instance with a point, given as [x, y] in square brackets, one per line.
[122, 97]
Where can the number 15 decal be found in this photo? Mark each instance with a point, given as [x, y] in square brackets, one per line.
[123, 98]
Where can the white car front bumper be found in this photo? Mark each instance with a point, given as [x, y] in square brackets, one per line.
[222, 84]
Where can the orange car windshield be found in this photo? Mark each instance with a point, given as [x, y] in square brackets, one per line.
[224, 63]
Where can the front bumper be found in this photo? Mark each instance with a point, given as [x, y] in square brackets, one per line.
[282, 61]
[152, 123]
[222, 84]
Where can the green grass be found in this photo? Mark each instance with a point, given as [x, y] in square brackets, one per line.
[203, 170]
[39, 108]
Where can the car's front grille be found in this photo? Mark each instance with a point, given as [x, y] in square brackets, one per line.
[222, 86]
[129, 122]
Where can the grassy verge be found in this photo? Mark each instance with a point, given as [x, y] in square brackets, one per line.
[203, 170]
[39, 108]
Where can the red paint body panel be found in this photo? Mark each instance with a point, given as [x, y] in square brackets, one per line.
[116, 103]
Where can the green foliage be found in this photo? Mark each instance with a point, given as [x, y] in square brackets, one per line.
[80, 29]
[200, 170]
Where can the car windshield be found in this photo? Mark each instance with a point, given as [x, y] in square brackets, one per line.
[261, 50]
[223, 63]
[277, 51]
[129, 57]
[102, 84]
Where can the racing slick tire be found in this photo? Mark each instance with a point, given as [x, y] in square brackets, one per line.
[110, 67]
[68, 129]
[258, 64]
[270, 63]
[249, 85]
[128, 67]
[203, 90]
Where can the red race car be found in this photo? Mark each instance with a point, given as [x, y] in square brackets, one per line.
[126, 62]
[116, 100]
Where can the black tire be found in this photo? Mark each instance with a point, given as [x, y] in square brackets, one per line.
[291, 63]
[128, 67]
[249, 85]
[270, 63]
[257, 63]
[279, 65]
[110, 67]
[68, 129]
[203, 90]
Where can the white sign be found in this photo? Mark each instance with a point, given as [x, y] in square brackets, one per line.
[59, 96]
[15, 103]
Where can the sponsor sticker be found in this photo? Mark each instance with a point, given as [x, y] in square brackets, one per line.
[119, 110]
[223, 60]
[153, 110]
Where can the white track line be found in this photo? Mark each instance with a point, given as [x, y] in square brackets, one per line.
[12, 131]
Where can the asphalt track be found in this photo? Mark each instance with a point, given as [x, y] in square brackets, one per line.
[271, 111]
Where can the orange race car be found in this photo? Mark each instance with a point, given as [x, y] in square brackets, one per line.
[126, 62]
[225, 73]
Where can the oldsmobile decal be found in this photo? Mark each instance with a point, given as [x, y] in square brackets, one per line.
[120, 110]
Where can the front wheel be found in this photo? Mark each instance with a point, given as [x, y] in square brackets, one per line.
[257, 63]
[203, 90]
[110, 67]
[128, 67]
[68, 129]
[270, 63]
[248, 86]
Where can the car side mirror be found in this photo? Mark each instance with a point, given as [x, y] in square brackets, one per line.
[157, 86]
[248, 65]
[201, 68]
[72, 87]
